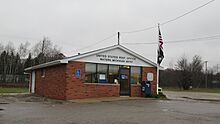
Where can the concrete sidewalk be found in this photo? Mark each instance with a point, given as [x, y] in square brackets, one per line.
[14, 94]
[192, 95]
[107, 99]
[24, 97]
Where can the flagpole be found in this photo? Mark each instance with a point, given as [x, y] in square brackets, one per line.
[157, 85]
[160, 56]
[157, 77]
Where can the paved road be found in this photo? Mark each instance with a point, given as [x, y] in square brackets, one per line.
[35, 110]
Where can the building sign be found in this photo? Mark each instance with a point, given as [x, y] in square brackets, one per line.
[115, 58]
[77, 73]
[102, 77]
[150, 76]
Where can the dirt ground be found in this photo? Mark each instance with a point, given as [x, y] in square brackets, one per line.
[29, 109]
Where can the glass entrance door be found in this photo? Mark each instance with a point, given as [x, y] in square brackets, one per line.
[124, 81]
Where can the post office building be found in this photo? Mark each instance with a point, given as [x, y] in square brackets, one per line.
[108, 72]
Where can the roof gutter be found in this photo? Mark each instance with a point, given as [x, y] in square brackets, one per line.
[52, 63]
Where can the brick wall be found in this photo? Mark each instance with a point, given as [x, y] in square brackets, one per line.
[53, 85]
[153, 70]
[135, 90]
[60, 82]
[77, 89]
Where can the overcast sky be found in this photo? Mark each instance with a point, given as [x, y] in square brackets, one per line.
[75, 24]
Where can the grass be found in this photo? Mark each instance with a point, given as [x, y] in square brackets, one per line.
[207, 90]
[159, 96]
[14, 90]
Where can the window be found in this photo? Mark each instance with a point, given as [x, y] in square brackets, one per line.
[42, 72]
[90, 73]
[113, 74]
[102, 71]
[135, 75]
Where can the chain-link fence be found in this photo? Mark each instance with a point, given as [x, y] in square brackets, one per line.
[14, 80]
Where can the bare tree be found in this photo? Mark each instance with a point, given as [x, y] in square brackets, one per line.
[196, 64]
[23, 50]
[46, 47]
[10, 47]
[184, 73]
[37, 49]
[196, 67]
[190, 73]
[1, 48]
[45, 51]
[12, 62]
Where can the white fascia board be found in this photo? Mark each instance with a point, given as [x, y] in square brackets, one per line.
[161, 68]
[91, 53]
[110, 48]
[65, 61]
[52, 63]
[138, 56]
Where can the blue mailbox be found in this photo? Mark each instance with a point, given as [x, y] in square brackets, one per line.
[146, 88]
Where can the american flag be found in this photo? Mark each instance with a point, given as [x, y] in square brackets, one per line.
[160, 54]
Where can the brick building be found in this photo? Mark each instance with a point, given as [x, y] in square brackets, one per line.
[108, 72]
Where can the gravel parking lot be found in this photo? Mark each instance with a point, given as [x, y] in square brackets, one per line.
[26, 109]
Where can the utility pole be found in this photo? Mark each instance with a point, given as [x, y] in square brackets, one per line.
[118, 38]
[43, 45]
[206, 74]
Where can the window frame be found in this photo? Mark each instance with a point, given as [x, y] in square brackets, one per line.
[107, 74]
[43, 72]
[117, 73]
[90, 74]
[140, 78]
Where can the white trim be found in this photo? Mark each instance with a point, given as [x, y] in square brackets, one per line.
[33, 81]
[110, 48]
[101, 84]
[158, 71]
[135, 85]
[56, 62]
[74, 58]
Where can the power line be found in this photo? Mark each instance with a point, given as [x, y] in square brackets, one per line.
[187, 13]
[179, 41]
[140, 30]
[97, 42]
[135, 31]
[148, 28]
[171, 20]
[31, 38]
